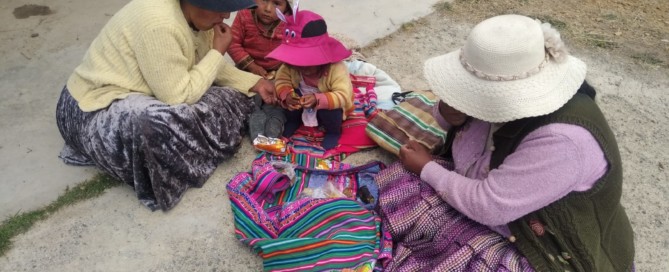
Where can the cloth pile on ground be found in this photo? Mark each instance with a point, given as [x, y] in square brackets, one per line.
[384, 85]
[280, 216]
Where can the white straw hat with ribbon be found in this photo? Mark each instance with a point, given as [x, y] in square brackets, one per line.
[511, 67]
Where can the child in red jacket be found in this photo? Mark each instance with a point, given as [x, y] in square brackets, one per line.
[255, 33]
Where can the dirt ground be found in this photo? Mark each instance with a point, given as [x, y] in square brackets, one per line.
[624, 43]
[626, 47]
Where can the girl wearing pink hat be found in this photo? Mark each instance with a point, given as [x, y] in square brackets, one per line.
[313, 84]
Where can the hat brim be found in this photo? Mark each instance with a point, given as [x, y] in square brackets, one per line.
[223, 6]
[504, 101]
[329, 51]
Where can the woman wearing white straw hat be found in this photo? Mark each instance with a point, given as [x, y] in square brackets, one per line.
[533, 158]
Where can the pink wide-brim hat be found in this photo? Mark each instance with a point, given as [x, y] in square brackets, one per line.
[307, 43]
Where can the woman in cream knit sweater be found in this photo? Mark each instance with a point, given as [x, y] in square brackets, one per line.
[153, 103]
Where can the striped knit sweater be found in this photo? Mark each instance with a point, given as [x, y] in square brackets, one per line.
[148, 47]
[335, 86]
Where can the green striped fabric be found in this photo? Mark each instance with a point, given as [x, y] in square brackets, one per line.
[410, 119]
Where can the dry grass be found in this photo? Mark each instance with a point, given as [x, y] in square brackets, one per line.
[638, 29]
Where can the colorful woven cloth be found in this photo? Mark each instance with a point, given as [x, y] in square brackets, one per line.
[296, 233]
[430, 235]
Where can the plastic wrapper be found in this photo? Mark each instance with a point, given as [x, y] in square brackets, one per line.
[272, 145]
[328, 190]
[323, 164]
[285, 168]
[365, 195]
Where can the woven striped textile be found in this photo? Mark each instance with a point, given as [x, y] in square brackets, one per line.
[294, 233]
[430, 235]
[410, 119]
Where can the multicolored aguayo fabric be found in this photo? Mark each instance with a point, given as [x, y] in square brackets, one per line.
[292, 232]
[430, 235]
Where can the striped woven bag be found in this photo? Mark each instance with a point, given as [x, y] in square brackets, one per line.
[411, 119]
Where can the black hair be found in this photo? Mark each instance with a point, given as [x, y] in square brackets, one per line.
[289, 9]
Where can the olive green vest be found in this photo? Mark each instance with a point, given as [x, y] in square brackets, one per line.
[583, 231]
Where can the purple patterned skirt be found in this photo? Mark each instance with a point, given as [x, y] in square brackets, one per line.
[158, 149]
[430, 235]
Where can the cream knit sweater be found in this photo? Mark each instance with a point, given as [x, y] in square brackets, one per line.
[147, 47]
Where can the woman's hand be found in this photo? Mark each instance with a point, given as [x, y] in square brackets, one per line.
[222, 37]
[309, 101]
[257, 69]
[414, 156]
[266, 90]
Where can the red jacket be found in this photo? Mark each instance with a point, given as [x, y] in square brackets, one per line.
[251, 42]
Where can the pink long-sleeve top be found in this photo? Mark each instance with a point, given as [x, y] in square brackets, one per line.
[549, 163]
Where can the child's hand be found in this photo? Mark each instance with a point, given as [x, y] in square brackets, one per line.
[293, 102]
[257, 69]
[414, 156]
[222, 37]
[308, 101]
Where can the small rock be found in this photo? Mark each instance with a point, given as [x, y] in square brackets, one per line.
[34, 35]
[618, 33]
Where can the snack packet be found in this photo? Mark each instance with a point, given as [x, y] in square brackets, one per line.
[272, 145]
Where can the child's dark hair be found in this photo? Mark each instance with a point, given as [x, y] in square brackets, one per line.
[289, 9]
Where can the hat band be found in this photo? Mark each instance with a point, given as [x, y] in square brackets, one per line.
[486, 76]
